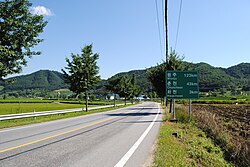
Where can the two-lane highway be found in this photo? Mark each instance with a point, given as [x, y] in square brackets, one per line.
[122, 137]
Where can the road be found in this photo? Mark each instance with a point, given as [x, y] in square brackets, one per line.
[121, 137]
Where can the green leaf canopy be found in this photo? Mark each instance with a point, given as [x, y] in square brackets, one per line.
[83, 71]
[19, 31]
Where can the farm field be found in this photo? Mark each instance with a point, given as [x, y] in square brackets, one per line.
[16, 108]
[236, 118]
[25, 105]
[224, 100]
[229, 126]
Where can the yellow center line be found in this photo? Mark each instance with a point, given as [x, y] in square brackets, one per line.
[53, 136]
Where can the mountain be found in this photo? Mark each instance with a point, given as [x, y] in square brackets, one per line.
[216, 77]
[43, 79]
[210, 78]
[239, 71]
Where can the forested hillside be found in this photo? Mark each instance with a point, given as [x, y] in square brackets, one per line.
[239, 71]
[43, 79]
[231, 78]
[210, 78]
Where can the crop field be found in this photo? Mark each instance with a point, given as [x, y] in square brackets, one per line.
[16, 108]
[229, 126]
[224, 100]
[236, 118]
[25, 105]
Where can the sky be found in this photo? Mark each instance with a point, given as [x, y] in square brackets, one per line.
[126, 37]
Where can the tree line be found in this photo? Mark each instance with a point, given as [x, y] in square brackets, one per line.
[124, 86]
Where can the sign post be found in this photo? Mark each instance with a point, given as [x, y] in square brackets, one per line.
[182, 85]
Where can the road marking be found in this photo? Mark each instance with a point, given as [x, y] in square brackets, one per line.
[53, 136]
[130, 152]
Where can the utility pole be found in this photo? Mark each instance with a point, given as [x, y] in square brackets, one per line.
[166, 26]
[172, 106]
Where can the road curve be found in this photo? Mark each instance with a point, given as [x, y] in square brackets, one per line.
[117, 138]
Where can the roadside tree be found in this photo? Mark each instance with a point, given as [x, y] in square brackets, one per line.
[124, 86]
[19, 32]
[113, 86]
[156, 75]
[83, 72]
[135, 88]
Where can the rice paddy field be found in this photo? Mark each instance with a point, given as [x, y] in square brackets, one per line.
[17, 106]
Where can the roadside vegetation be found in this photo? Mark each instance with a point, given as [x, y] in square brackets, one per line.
[124, 86]
[183, 144]
[82, 72]
[20, 32]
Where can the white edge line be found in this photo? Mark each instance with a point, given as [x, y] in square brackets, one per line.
[130, 152]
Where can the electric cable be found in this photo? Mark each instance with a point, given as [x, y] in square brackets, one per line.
[178, 26]
[163, 21]
[158, 23]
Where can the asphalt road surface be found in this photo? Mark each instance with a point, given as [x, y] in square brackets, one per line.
[122, 137]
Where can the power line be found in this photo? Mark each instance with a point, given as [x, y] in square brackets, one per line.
[158, 23]
[166, 30]
[163, 26]
[179, 19]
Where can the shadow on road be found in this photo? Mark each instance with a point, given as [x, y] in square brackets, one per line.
[137, 122]
[139, 114]
[141, 108]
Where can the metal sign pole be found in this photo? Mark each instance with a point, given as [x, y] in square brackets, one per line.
[174, 115]
[190, 109]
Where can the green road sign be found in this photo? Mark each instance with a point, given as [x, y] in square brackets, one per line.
[182, 85]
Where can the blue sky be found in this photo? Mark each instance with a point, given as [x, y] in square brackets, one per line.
[125, 33]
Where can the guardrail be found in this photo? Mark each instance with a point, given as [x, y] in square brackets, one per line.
[44, 113]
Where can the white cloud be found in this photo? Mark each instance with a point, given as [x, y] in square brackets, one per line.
[41, 10]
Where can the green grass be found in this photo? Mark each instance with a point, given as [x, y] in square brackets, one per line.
[25, 100]
[240, 101]
[224, 100]
[26, 121]
[23, 105]
[170, 151]
[191, 147]
[220, 100]
[16, 108]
